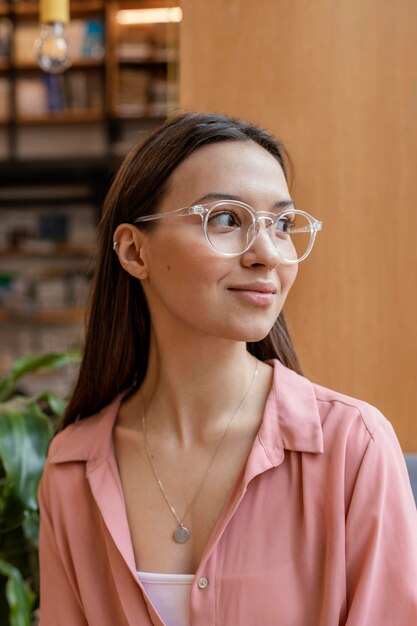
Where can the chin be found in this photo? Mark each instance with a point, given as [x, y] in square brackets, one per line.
[252, 335]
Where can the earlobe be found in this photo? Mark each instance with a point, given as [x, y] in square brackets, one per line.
[129, 245]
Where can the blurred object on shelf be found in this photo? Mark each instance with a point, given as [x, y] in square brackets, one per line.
[24, 37]
[32, 295]
[132, 95]
[4, 99]
[51, 47]
[93, 40]
[158, 96]
[31, 97]
[40, 231]
[137, 48]
[49, 94]
[54, 226]
[6, 33]
[85, 41]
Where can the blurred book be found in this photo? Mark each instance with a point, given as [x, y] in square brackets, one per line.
[4, 98]
[51, 294]
[24, 38]
[133, 92]
[6, 30]
[93, 40]
[54, 87]
[54, 226]
[160, 94]
[31, 97]
[72, 92]
[135, 44]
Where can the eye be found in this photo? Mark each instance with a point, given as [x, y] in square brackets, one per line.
[224, 219]
[286, 223]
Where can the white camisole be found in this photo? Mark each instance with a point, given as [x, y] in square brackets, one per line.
[170, 595]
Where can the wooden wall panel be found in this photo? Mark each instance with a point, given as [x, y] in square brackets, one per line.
[337, 82]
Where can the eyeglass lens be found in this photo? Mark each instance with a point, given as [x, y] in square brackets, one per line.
[231, 228]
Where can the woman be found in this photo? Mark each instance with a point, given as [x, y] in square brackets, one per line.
[198, 478]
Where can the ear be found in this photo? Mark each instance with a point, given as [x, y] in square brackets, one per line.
[129, 243]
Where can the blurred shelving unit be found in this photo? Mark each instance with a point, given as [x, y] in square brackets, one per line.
[61, 140]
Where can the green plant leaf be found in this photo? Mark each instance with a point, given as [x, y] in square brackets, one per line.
[56, 403]
[19, 595]
[32, 363]
[30, 527]
[7, 386]
[25, 432]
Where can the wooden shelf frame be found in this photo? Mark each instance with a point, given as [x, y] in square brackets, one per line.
[77, 7]
[63, 117]
[83, 63]
[66, 316]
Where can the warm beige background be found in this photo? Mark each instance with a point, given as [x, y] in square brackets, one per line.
[337, 82]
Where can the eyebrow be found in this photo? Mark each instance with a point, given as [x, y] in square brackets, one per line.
[280, 204]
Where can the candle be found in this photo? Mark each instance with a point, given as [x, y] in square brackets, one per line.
[54, 11]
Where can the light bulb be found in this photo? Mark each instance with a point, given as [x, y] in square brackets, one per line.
[52, 50]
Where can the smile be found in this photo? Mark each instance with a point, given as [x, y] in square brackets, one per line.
[260, 294]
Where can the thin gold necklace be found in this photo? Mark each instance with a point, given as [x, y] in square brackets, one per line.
[181, 534]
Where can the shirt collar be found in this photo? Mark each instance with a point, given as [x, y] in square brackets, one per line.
[88, 439]
[291, 419]
[291, 422]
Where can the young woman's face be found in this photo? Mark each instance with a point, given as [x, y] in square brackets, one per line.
[189, 284]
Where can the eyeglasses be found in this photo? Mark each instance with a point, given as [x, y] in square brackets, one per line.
[231, 227]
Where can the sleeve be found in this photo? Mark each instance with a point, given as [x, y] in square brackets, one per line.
[381, 537]
[59, 602]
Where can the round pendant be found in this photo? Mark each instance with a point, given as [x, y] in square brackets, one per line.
[181, 534]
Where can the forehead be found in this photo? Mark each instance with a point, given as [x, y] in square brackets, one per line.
[239, 168]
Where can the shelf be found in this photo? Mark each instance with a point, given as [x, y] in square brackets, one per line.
[50, 254]
[26, 8]
[62, 118]
[76, 7]
[66, 316]
[119, 115]
[76, 64]
[151, 62]
[99, 83]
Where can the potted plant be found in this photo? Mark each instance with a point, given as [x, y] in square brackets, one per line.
[26, 426]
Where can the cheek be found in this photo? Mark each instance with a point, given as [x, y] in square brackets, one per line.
[287, 275]
[182, 270]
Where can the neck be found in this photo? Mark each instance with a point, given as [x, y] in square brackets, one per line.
[190, 392]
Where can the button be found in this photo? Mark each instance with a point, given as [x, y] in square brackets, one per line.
[202, 583]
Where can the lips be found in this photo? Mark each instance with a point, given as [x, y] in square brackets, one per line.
[258, 293]
[258, 287]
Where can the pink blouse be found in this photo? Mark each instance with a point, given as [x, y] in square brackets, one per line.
[319, 530]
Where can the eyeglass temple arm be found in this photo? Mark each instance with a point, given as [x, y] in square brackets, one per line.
[158, 216]
[312, 228]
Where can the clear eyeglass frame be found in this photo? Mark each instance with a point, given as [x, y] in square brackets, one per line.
[205, 210]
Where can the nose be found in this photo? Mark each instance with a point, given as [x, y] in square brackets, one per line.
[263, 250]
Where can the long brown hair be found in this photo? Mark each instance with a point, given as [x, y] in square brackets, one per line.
[116, 347]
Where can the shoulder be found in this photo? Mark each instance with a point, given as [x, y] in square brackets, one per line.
[338, 406]
[355, 430]
[358, 441]
[342, 421]
[89, 439]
